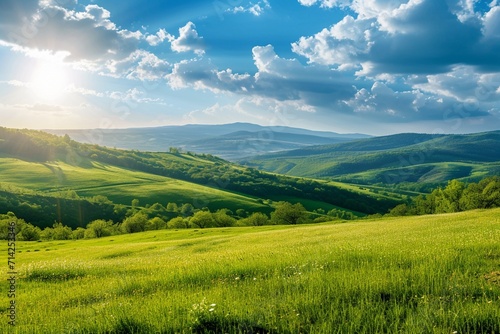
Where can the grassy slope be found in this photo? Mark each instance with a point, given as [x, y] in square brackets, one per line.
[118, 184]
[65, 164]
[427, 274]
[393, 159]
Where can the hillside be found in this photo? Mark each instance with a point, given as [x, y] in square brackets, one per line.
[228, 141]
[50, 165]
[392, 160]
[427, 274]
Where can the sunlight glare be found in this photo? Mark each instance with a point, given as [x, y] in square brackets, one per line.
[49, 80]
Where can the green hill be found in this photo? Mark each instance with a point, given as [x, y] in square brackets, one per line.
[60, 167]
[412, 158]
[426, 274]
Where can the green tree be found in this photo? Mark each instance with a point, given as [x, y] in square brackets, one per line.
[134, 224]
[187, 209]
[155, 224]
[256, 219]
[178, 222]
[29, 233]
[223, 219]
[61, 232]
[98, 228]
[287, 213]
[241, 213]
[79, 233]
[399, 210]
[135, 203]
[202, 219]
[172, 207]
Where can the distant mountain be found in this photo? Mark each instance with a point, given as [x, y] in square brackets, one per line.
[229, 141]
[395, 159]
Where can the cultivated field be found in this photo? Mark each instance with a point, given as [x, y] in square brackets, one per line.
[427, 274]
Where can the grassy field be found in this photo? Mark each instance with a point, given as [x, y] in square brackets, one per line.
[118, 184]
[427, 274]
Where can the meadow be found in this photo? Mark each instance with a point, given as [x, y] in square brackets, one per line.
[120, 185]
[424, 274]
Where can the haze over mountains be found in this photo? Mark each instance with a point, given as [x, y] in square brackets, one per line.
[229, 141]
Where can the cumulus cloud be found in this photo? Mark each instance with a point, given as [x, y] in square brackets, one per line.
[390, 105]
[406, 37]
[255, 9]
[159, 37]
[54, 28]
[139, 65]
[278, 78]
[188, 40]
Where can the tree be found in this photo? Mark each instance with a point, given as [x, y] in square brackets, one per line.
[172, 207]
[136, 223]
[491, 193]
[155, 224]
[256, 219]
[29, 233]
[187, 209]
[79, 233]
[178, 222]
[202, 219]
[222, 219]
[98, 228]
[287, 213]
[241, 213]
[61, 232]
[399, 210]
[174, 150]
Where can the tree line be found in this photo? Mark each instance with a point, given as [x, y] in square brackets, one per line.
[455, 197]
[171, 216]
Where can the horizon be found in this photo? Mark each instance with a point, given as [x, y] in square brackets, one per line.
[372, 68]
[233, 123]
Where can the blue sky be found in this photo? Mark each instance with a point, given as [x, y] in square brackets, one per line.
[372, 66]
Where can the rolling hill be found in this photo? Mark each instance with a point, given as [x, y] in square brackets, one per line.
[45, 165]
[392, 160]
[228, 141]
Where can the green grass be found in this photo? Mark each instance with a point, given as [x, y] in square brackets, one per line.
[118, 184]
[427, 274]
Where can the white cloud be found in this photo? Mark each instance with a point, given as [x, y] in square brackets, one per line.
[83, 91]
[188, 40]
[87, 35]
[491, 24]
[277, 78]
[325, 3]
[159, 37]
[139, 65]
[406, 37]
[464, 84]
[255, 9]
[338, 45]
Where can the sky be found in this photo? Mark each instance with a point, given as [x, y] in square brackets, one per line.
[366, 66]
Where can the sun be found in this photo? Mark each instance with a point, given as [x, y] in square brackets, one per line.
[49, 80]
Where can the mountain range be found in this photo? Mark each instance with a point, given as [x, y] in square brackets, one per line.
[228, 141]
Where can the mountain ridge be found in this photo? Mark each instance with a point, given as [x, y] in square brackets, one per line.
[202, 138]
